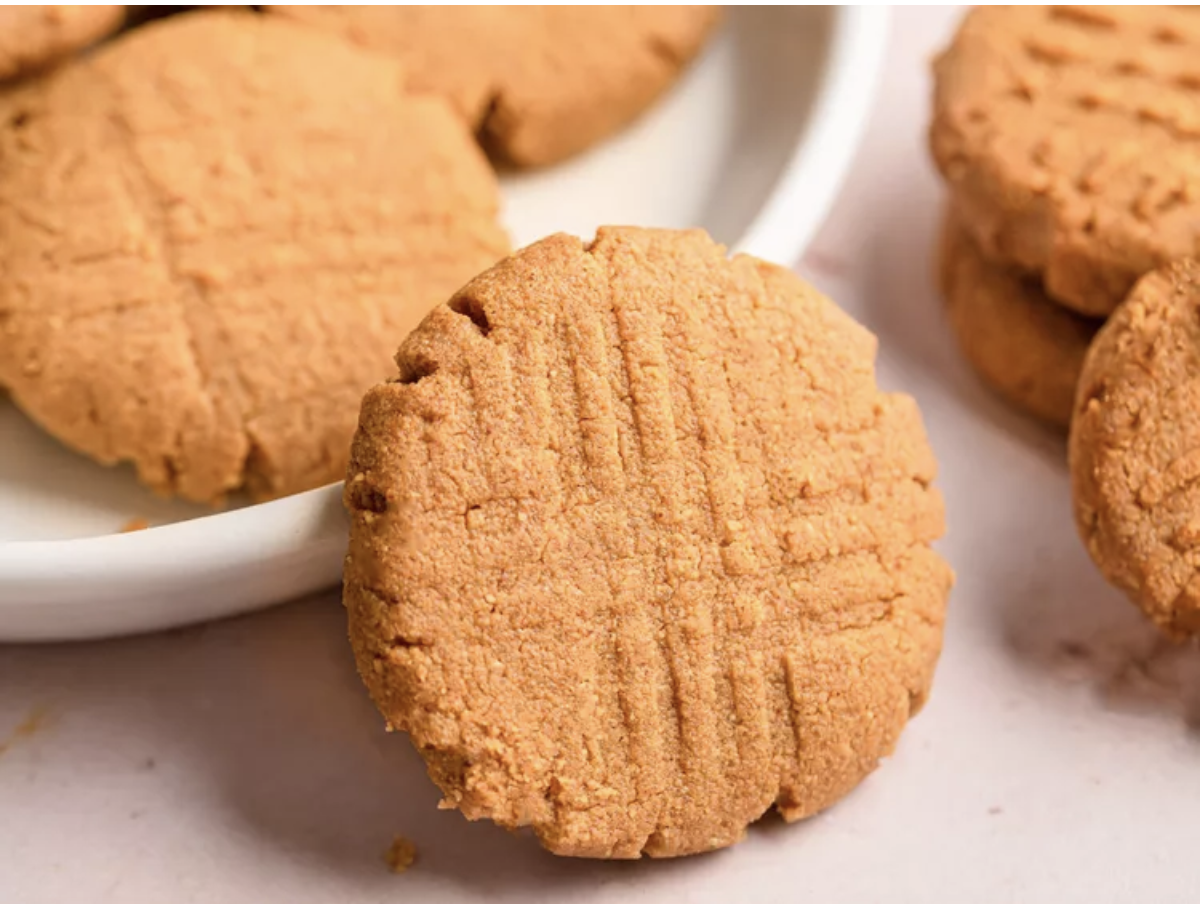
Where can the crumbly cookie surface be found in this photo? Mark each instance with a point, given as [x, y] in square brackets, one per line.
[1027, 348]
[1070, 137]
[1135, 447]
[639, 550]
[538, 82]
[209, 248]
[33, 37]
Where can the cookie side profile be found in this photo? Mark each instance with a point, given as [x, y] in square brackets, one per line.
[1068, 137]
[1135, 448]
[539, 83]
[638, 549]
[209, 249]
[34, 37]
[1025, 347]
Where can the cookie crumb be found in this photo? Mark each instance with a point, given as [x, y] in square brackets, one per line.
[134, 524]
[401, 855]
[33, 722]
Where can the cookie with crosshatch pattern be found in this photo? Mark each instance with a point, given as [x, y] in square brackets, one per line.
[638, 548]
[211, 248]
[1070, 139]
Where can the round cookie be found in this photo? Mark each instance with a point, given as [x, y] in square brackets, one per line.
[539, 83]
[1135, 448]
[209, 249]
[639, 550]
[33, 37]
[1070, 137]
[1021, 344]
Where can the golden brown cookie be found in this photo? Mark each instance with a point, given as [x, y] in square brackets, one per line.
[639, 550]
[33, 37]
[1135, 447]
[1024, 346]
[1070, 137]
[209, 248]
[539, 83]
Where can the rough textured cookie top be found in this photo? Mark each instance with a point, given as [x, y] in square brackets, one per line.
[1135, 447]
[1071, 139]
[209, 247]
[32, 37]
[638, 548]
[538, 82]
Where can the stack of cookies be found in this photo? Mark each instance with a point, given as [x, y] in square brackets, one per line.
[1069, 138]
[217, 228]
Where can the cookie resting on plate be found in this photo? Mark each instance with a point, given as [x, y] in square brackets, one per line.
[209, 248]
[538, 83]
[638, 548]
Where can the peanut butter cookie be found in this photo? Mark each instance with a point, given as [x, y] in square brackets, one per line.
[1021, 344]
[539, 83]
[209, 248]
[33, 37]
[1135, 448]
[1070, 137]
[639, 550]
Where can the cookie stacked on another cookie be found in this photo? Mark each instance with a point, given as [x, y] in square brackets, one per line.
[1069, 138]
[1026, 347]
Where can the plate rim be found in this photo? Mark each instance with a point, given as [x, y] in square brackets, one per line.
[310, 527]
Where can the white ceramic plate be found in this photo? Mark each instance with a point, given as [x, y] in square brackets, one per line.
[751, 145]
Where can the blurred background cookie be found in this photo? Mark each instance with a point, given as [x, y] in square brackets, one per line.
[33, 37]
[1135, 448]
[211, 248]
[538, 83]
[1070, 141]
[1021, 344]
[638, 548]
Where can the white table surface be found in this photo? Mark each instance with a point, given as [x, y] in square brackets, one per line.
[1058, 760]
